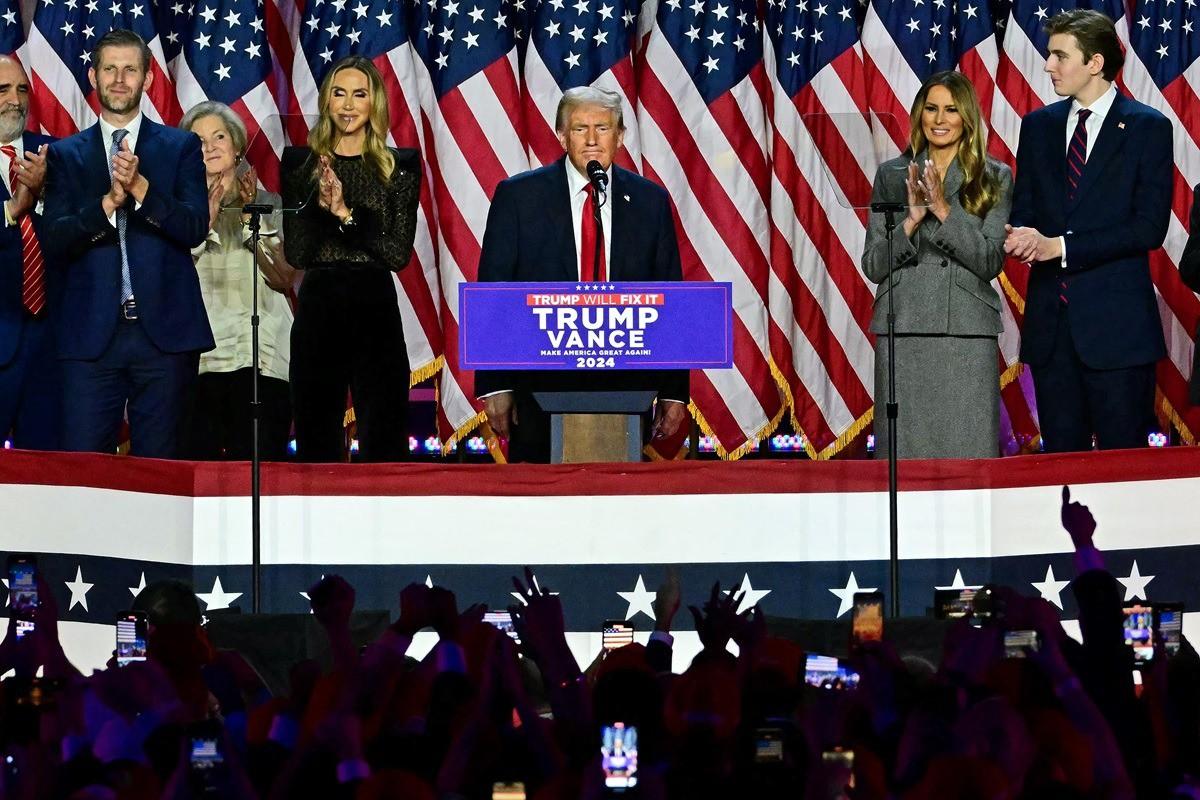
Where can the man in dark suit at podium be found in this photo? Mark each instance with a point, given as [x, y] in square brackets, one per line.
[29, 390]
[541, 228]
[1092, 199]
[126, 200]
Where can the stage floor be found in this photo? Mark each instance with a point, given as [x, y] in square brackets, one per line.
[802, 535]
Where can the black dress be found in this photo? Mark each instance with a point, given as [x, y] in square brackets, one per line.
[347, 334]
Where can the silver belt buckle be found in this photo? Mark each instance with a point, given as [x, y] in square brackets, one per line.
[129, 309]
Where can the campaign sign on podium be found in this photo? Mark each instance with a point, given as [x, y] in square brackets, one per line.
[595, 326]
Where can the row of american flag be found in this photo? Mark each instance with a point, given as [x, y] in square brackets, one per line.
[723, 105]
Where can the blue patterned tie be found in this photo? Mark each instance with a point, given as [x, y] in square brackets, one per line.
[122, 219]
[1077, 153]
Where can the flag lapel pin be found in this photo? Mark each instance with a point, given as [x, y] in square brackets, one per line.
[1121, 125]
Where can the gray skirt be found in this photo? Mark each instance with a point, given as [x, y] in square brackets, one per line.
[948, 391]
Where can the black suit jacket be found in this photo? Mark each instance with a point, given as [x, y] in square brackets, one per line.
[530, 237]
[1120, 213]
[1189, 270]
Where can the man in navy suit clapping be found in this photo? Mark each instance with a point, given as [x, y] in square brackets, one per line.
[29, 389]
[1092, 199]
[126, 201]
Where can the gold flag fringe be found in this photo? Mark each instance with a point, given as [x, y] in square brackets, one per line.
[1173, 417]
[1013, 294]
[415, 376]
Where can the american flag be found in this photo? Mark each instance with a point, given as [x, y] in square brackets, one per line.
[1162, 71]
[465, 72]
[580, 44]
[60, 52]
[703, 129]
[724, 104]
[218, 50]
[820, 301]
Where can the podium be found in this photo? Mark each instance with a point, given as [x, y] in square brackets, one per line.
[595, 426]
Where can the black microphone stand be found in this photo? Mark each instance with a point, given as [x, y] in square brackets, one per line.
[889, 211]
[601, 190]
[255, 210]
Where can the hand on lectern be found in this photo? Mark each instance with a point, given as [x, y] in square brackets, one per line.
[501, 413]
[668, 416]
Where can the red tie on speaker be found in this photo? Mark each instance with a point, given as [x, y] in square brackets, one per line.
[33, 285]
[589, 271]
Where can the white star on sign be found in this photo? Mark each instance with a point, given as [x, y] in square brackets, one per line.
[957, 583]
[846, 595]
[641, 600]
[1135, 584]
[136, 590]
[752, 596]
[218, 598]
[1051, 589]
[79, 590]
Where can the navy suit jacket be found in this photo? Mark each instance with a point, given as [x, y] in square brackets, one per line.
[12, 270]
[159, 237]
[530, 236]
[1120, 213]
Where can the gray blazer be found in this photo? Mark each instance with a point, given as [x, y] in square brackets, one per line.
[943, 274]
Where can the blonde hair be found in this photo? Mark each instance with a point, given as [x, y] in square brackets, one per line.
[980, 188]
[324, 136]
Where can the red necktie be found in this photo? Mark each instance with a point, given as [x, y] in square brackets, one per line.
[1076, 158]
[1077, 153]
[33, 287]
[589, 271]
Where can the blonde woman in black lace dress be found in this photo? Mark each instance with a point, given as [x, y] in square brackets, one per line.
[358, 201]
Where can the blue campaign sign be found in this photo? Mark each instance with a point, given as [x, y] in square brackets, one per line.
[570, 326]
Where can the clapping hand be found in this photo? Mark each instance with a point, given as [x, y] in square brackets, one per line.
[935, 191]
[31, 170]
[330, 194]
[917, 199]
[247, 186]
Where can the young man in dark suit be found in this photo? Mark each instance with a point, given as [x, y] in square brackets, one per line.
[1092, 199]
[539, 229]
[29, 387]
[126, 201]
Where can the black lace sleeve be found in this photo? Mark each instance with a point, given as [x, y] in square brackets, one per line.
[303, 229]
[385, 225]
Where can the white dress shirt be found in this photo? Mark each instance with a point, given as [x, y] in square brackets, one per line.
[1099, 108]
[577, 185]
[5, 161]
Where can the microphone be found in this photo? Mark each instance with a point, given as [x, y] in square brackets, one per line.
[597, 175]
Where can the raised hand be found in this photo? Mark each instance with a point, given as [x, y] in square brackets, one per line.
[718, 620]
[916, 200]
[247, 186]
[31, 170]
[1077, 520]
[332, 601]
[126, 171]
[666, 601]
[216, 193]
[541, 628]
[414, 609]
[935, 191]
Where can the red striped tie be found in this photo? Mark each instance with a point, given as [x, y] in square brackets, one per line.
[33, 285]
[1077, 154]
[1076, 158]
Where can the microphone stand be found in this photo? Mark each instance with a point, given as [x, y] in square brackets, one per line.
[601, 199]
[889, 210]
[255, 210]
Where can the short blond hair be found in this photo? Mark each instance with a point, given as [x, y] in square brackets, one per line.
[588, 96]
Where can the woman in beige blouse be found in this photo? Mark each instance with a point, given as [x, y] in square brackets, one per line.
[219, 423]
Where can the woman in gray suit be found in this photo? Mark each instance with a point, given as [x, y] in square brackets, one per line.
[947, 252]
